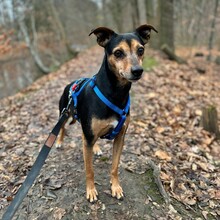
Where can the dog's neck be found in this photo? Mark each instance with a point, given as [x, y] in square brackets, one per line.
[110, 86]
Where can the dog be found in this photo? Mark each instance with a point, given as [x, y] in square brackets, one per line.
[121, 66]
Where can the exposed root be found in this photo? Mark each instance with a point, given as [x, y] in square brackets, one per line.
[156, 174]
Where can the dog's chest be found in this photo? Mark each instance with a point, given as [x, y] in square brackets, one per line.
[101, 127]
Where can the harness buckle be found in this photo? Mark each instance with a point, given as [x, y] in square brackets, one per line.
[92, 83]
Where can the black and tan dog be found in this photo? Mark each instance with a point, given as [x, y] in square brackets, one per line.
[120, 68]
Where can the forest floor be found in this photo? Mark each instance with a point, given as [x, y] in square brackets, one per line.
[166, 107]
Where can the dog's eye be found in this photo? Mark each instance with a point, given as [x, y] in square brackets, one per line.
[118, 53]
[140, 51]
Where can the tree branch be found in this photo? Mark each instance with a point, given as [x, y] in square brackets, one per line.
[156, 174]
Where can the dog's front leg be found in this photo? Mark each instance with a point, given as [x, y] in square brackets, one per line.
[91, 193]
[117, 149]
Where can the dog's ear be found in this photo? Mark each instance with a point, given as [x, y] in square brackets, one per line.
[144, 32]
[103, 35]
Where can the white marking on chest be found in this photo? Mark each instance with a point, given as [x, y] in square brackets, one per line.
[114, 123]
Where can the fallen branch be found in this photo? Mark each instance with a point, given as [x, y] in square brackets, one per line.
[156, 174]
[172, 56]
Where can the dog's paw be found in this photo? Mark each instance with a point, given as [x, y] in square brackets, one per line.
[97, 151]
[58, 145]
[117, 191]
[91, 195]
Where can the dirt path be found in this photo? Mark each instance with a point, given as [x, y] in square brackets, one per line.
[166, 108]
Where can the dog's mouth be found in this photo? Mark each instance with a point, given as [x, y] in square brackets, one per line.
[135, 79]
[130, 77]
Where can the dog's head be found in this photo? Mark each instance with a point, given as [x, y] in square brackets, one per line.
[125, 52]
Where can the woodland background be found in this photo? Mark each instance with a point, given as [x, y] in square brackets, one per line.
[37, 36]
[170, 164]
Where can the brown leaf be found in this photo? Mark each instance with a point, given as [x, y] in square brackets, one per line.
[194, 166]
[164, 176]
[205, 166]
[58, 213]
[160, 130]
[189, 200]
[208, 140]
[198, 112]
[162, 155]
[177, 110]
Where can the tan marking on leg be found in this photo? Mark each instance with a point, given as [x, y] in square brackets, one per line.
[117, 149]
[61, 136]
[91, 192]
[96, 150]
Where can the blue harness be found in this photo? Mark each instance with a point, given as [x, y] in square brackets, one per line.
[77, 88]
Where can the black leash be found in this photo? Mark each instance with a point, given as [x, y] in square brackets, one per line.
[39, 162]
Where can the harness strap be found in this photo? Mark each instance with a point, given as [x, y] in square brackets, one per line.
[73, 90]
[121, 112]
[77, 88]
[108, 103]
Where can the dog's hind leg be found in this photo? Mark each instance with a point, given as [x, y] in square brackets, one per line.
[61, 136]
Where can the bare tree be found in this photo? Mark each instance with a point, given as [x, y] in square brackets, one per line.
[60, 28]
[167, 23]
[135, 13]
[142, 11]
[211, 37]
[199, 22]
[153, 18]
[117, 8]
[21, 11]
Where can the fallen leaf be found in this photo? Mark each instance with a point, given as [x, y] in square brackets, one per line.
[177, 110]
[205, 166]
[205, 213]
[164, 176]
[189, 200]
[58, 213]
[198, 112]
[151, 95]
[162, 155]
[194, 166]
[160, 130]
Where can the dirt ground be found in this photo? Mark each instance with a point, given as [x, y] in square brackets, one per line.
[165, 112]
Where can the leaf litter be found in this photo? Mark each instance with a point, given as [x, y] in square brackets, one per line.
[165, 128]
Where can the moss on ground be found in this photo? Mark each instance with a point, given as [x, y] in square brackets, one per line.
[149, 63]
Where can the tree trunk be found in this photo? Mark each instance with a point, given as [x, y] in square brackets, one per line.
[116, 8]
[142, 12]
[153, 18]
[198, 26]
[209, 120]
[61, 29]
[104, 12]
[31, 47]
[167, 23]
[135, 14]
[211, 37]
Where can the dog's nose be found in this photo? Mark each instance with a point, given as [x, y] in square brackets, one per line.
[137, 71]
